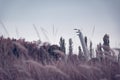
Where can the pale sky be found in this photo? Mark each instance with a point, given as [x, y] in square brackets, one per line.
[64, 15]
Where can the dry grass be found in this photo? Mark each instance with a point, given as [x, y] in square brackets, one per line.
[34, 63]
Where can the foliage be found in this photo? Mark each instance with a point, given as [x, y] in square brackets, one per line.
[21, 60]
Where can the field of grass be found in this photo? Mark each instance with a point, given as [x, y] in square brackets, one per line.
[21, 60]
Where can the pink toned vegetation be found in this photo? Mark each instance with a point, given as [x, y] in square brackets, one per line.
[21, 60]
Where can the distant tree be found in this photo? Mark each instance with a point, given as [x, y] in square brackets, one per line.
[62, 44]
[106, 40]
[85, 40]
[91, 54]
[70, 46]
[80, 53]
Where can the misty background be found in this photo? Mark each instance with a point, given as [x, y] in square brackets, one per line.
[56, 18]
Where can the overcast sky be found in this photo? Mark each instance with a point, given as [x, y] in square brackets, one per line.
[100, 16]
